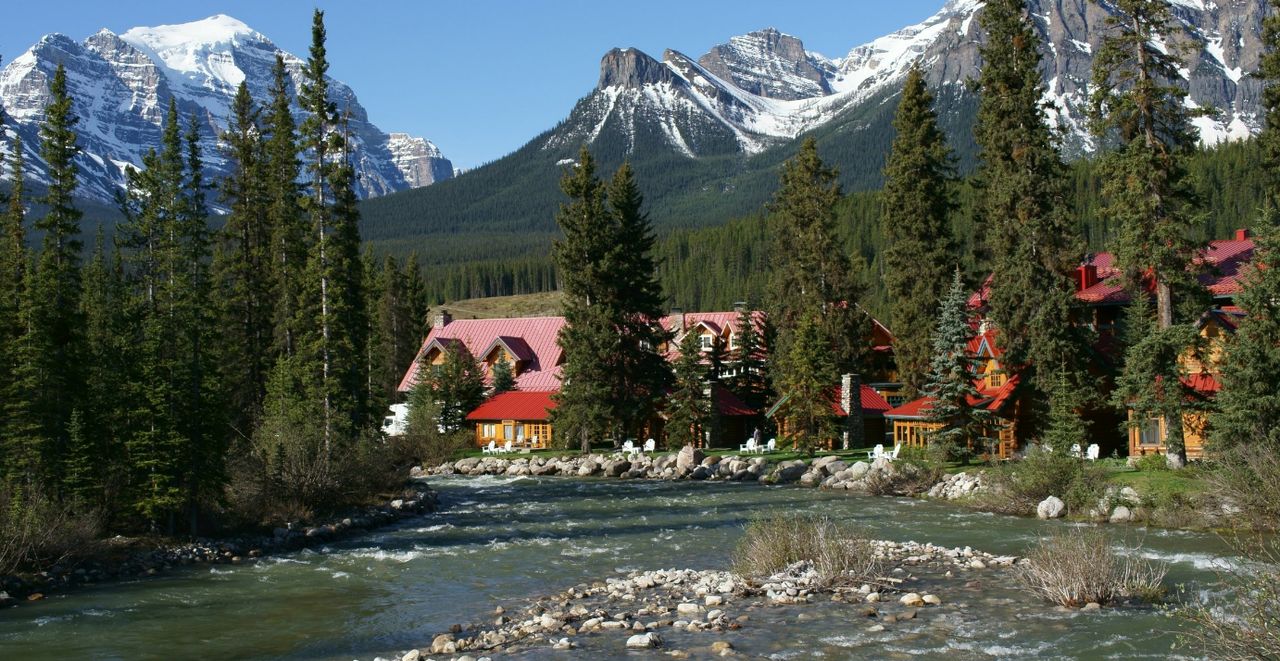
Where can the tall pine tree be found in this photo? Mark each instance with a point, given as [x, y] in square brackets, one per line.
[806, 376]
[1023, 207]
[1139, 103]
[916, 204]
[810, 273]
[284, 215]
[688, 409]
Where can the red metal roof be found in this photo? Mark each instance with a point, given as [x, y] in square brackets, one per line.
[728, 404]
[515, 405]
[1203, 383]
[992, 400]
[1225, 263]
[872, 402]
[541, 372]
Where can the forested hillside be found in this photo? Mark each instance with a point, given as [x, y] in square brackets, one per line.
[711, 267]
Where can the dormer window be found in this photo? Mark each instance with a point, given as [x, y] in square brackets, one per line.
[706, 341]
[733, 341]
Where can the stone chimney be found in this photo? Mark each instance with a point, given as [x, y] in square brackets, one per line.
[677, 320]
[442, 319]
[740, 306]
[851, 401]
[1242, 234]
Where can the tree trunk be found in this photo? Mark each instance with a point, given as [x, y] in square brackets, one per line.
[585, 440]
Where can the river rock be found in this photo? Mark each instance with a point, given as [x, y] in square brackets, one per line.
[811, 478]
[444, 644]
[822, 462]
[617, 468]
[411, 655]
[789, 471]
[1051, 508]
[563, 644]
[721, 647]
[931, 599]
[911, 599]
[701, 473]
[644, 641]
[858, 470]
[688, 609]
[1121, 514]
[689, 457]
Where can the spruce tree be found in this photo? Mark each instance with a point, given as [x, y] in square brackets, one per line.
[1249, 402]
[1269, 138]
[416, 302]
[642, 374]
[1065, 428]
[241, 261]
[806, 376]
[331, 315]
[1024, 206]
[503, 378]
[749, 380]
[688, 409]
[810, 273]
[951, 374]
[456, 386]
[50, 349]
[112, 382]
[13, 276]
[1139, 103]
[284, 217]
[916, 204]
[588, 338]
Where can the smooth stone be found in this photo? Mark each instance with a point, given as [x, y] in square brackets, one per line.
[644, 641]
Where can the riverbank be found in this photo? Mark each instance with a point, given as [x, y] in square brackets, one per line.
[121, 558]
[1117, 503]
[651, 610]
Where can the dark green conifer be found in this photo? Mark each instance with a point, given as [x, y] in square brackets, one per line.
[503, 377]
[1138, 102]
[284, 217]
[919, 254]
[951, 374]
[811, 275]
[688, 409]
[807, 375]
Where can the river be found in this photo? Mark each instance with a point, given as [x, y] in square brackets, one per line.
[498, 541]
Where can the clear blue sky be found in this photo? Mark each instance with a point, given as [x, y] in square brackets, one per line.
[480, 77]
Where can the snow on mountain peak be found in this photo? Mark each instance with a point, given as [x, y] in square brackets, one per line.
[215, 30]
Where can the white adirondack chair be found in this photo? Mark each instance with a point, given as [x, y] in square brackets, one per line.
[650, 445]
[507, 447]
[492, 448]
[629, 448]
[893, 455]
[1093, 452]
[749, 447]
[771, 446]
[876, 452]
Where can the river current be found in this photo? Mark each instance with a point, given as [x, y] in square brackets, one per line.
[500, 541]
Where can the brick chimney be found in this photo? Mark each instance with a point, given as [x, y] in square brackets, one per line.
[442, 319]
[677, 320]
[1242, 234]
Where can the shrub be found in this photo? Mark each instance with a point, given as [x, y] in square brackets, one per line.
[1248, 477]
[1152, 462]
[431, 448]
[36, 529]
[1019, 486]
[1075, 567]
[840, 555]
[1246, 625]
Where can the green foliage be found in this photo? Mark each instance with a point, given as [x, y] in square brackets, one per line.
[806, 373]
[1065, 429]
[504, 378]
[951, 374]
[750, 381]
[810, 275]
[1024, 211]
[688, 409]
[453, 388]
[1021, 485]
[613, 374]
[1151, 462]
[917, 201]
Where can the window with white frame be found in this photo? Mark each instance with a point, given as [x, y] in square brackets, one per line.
[707, 341]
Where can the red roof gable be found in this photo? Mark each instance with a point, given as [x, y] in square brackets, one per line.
[515, 405]
[992, 400]
[872, 402]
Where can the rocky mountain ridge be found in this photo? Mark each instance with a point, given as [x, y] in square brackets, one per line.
[763, 89]
[122, 84]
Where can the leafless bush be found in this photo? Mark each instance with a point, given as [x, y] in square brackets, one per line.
[840, 554]
[1075, 567]
[1248, 477]
[1246, 624]
[35, 529]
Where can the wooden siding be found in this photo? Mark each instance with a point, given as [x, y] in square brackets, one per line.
[1150, 438]
[532, 435]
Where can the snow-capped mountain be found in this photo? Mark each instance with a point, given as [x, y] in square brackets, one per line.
[764, 88]
[121, 86]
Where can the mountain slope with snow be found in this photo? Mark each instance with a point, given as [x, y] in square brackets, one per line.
[121, 86]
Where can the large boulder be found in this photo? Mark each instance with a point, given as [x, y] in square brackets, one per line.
[644, 641]
[789, 471]
[689, 457]
[701, 473]
[858, 470]
[617, 468]
[823, 462]
[1051, 508]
